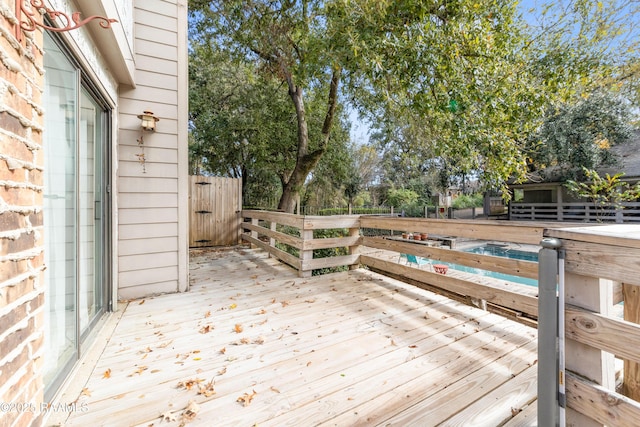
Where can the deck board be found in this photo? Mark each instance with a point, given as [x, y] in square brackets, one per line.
[351, 348]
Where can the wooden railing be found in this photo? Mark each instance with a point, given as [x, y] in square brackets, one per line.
[263, 233]
[368, 238]
[629, 212]
[598, 259]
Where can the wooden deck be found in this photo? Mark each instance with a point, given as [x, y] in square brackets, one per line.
[346, 349]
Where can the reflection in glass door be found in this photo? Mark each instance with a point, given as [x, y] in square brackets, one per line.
[75, 144]
[60, 198]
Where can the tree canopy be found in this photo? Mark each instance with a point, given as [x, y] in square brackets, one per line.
[460, 85]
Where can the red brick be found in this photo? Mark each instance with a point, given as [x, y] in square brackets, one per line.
[36, 177]
[10, 269]
[37, 261]
[36, 219]
[12, 293]
[13, 148]
[10, 368]
[22, 243]
[12, 221]
[18, 196]
[16, 339]
[11, 124]
[15, 316]
[15, 175]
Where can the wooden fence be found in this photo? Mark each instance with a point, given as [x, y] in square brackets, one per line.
[629, 212]
[598, 260]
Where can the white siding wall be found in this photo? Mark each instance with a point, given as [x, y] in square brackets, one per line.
[152, 207]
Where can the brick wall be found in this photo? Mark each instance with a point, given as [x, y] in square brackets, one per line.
[21, 223]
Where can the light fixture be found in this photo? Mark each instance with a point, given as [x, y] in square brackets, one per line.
[148, 121]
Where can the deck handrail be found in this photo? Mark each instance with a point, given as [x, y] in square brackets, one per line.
[598, 259]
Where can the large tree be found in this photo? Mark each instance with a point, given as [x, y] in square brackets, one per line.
[474, 73]
[287, 39]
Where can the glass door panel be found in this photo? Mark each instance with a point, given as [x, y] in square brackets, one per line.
[90, 207]
[60, 198]
[75, 143]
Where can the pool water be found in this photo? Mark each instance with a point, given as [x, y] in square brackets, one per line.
[501, 252]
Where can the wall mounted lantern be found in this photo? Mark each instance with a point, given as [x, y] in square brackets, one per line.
[68, 23]
[148, 121]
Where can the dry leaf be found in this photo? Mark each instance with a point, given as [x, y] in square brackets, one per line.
[85, 392]
[189, 384]
[207, 314]
[259, 340]
[207, 390]
[165, 344]
[206, 329]
[146, 350]
[244, 340]
[285, 303]
[168, 416]
[263, 311]
[222, 371]
[246, 398]
[273, 301]
[308, 363]
[223, 350]
[310, 300]
[191, 412]
[107, 373]
[275, 390]
[393, 343]
[138, 371]
[413, 346]
[232, 306]
[141, 302]
[238, 328]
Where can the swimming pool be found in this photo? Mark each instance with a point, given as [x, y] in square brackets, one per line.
[500, 252]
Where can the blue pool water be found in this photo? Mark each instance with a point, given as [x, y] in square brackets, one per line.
[501, 252]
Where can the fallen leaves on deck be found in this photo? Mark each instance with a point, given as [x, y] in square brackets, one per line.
[167, 416]
[190, 383]
[207, 390]
[246, 398]
[238, 328]
[191, 411]
[138, 371]
[206, 329]
[107, 373]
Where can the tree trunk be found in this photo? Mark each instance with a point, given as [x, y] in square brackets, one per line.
[305, 161]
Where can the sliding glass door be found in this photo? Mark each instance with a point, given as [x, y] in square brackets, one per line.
[75, 207]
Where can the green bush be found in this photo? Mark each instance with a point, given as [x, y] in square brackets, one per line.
[465, 201]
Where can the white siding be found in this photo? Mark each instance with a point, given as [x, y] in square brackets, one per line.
[152, 201]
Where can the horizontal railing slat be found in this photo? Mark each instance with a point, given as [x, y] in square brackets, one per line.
[598, 403]
[612, 335]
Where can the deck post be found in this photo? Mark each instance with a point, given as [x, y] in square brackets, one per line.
[548, 408]
[254, 234]
[354, 249]
[305, 254]
[631, 382]
[272, 241]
